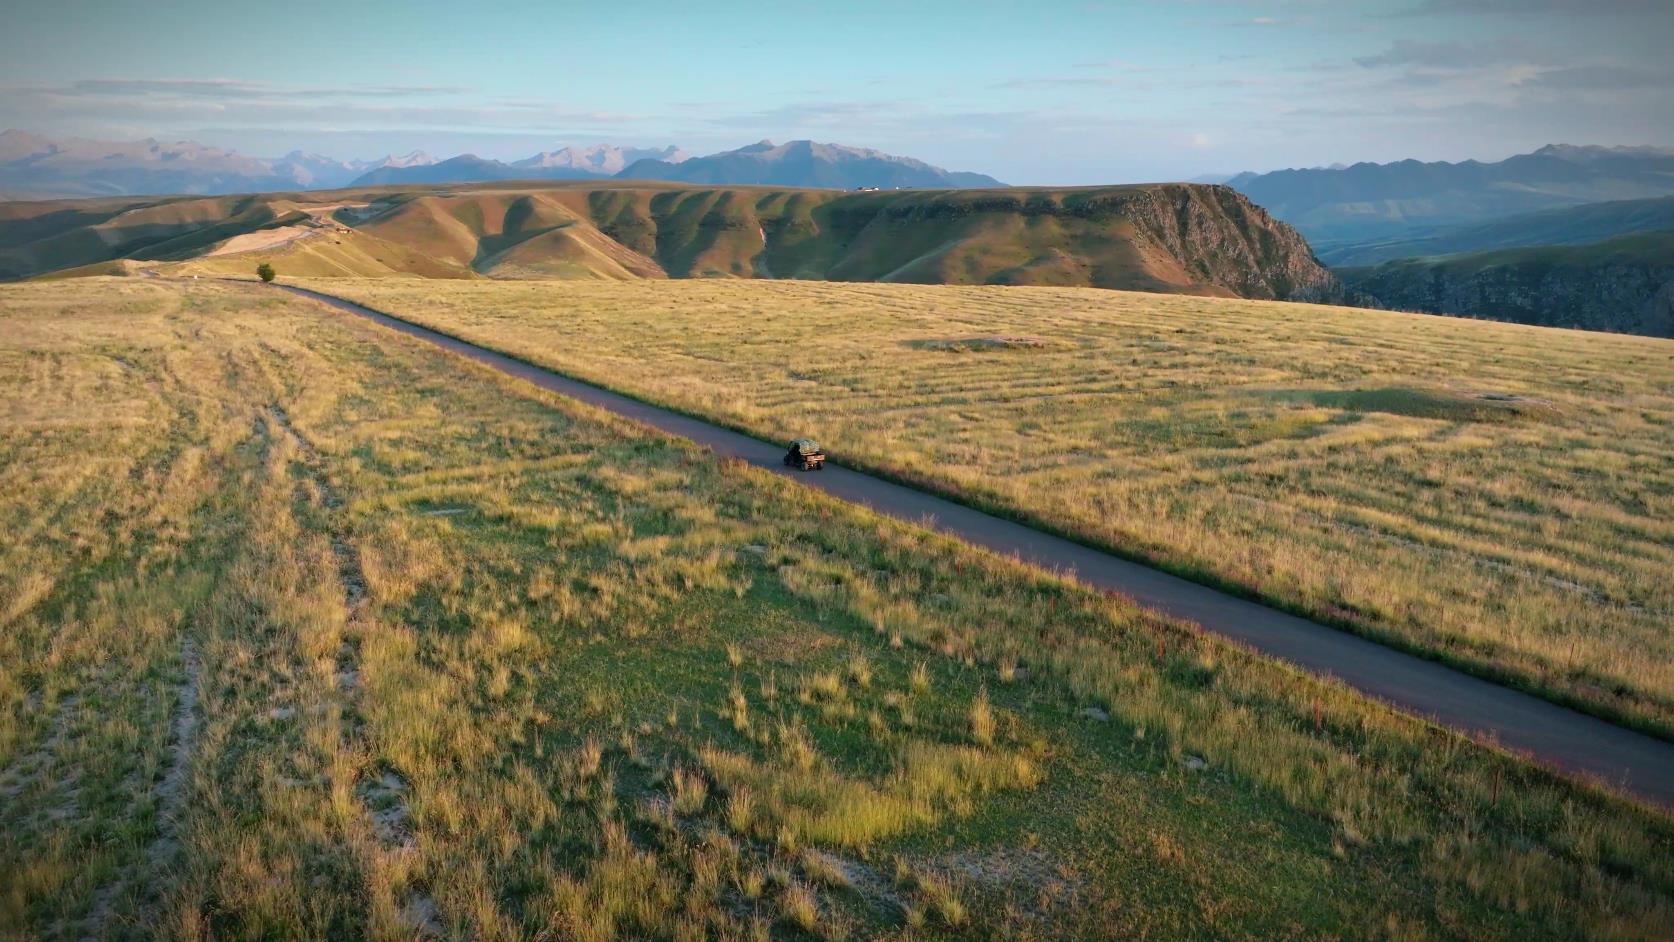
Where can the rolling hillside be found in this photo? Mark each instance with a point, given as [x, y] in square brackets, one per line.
[1177, 238]
[37, 237]
[1624, 284]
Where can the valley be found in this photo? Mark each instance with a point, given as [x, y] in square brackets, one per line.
[1564, 236]
[1369, 201]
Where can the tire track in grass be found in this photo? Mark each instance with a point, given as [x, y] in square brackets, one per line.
[28, 767]
[170, 795]
[174, 789]
[382, 792]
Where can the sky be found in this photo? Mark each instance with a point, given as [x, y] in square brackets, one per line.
[1041, 92]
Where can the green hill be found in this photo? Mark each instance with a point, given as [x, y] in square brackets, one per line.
[1177, 238]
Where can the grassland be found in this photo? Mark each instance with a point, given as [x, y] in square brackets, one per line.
[312, 631]
[1498, 496]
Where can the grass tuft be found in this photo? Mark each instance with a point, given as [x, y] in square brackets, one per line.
[980, 719]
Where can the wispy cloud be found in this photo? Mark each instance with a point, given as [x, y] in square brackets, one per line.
[1527, 7]
[857, 118]
[1457, 55]
[242, 90]
[1064, 81]
[256, 104]
[1264, 22]
[1602, 78]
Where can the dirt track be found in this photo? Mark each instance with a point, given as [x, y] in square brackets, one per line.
[1560, 737]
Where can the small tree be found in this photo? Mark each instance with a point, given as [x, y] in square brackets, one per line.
[265, 272]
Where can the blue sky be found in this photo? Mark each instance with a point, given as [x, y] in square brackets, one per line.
[1034, 93]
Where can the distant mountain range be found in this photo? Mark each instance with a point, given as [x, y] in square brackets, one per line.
[809, 164]
[1406, 199]
[601, 159]
[466, 168]
[1571, 225]
[793, 164]
[36, 167]
[598, 162]
[1568, 236]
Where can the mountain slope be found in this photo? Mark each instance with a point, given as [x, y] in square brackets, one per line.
[603, 160]
[807, 164]
[315, 171]
[1624, 284]
[1178, 238]
[466, 168]
[31, 164]
[40, 237]
[318, 254]
[1387, 201]
[1578, 225]
[1172, 237]
[36, 167]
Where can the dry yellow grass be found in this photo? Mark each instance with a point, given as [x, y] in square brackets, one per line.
[315, 631]
[1364, 467]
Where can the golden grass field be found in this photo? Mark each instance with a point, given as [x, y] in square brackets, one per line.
[1358, 466]
[313, 631]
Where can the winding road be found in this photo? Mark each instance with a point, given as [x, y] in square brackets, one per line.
[1638, 764]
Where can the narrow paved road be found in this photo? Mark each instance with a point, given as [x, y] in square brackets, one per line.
[1560, 737]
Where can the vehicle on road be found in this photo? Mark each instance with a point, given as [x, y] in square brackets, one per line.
[805, 455]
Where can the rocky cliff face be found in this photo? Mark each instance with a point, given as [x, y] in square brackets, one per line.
[1623, 285]
[1228, 240]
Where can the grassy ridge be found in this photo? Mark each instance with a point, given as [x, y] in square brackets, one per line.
[470, 659]
[1343, 463]
[1164, 237]
[1171, 237]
